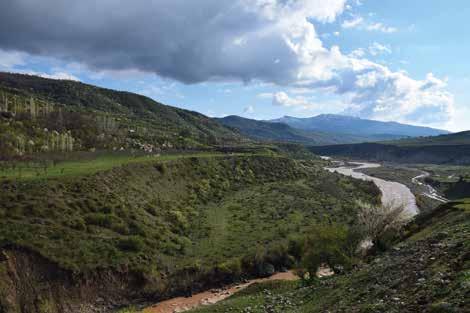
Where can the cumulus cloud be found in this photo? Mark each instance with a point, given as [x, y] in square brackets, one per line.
[213, 40]
[283, 99]
[191, 41]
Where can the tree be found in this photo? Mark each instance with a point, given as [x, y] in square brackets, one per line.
[32, 108]
[381, 223]
[334, 245]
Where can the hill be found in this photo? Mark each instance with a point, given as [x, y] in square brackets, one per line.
[443, 149]
[152, 229]
[40, 115]
[331, 123]
[461, 138]
[428, 271]
[273, 131]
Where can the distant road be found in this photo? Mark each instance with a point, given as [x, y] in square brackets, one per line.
[432, 193]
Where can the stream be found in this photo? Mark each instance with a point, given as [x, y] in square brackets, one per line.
[182, 304]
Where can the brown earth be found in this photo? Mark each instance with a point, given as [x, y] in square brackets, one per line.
[182, 304]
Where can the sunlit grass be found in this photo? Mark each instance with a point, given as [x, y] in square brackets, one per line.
[28, 171]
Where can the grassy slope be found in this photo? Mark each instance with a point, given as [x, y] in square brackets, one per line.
[461, 138]
[428, 272]
[160, 216]
[100, 118]
[87, 166]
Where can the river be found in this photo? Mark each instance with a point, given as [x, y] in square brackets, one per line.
[393, 194]
[182, 304]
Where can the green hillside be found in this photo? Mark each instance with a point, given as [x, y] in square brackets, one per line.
[160, 227]
[461, 138]
[429, 271]
[39, 115]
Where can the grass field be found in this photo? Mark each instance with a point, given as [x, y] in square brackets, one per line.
[179, 220]
[32, 171]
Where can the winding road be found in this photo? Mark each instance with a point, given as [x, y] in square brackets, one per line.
[432, 193]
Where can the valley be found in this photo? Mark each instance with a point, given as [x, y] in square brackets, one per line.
[112, 202]
[268, 156]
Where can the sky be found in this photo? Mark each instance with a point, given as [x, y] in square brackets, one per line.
[390, 60]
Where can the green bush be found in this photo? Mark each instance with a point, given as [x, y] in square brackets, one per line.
[231, 269]
[133, 243]
[333, 245]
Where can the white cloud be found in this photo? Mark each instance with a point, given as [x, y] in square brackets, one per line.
[10, 59]
[54, 75]
[283, 99]
[358, 53]
[265, 95]
[352, 23]
[360, 23]
[381, 27]
[249, 109]
[231, 44]
[377, 49]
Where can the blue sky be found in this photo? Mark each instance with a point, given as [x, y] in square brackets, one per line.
[390, 60]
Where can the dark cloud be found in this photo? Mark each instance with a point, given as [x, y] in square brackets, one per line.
[200, 40]
[190, 41]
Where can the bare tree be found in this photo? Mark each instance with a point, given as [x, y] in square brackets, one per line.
[375, 221]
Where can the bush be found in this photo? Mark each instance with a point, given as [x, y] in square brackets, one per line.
[333, 245]
[382, 224]
[133, 243]
[104, 220]
[230, 270]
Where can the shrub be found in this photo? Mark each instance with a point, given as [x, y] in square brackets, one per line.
[230, 270]
[333, 245]
[133, 243]
[382, 224]
[77, 224]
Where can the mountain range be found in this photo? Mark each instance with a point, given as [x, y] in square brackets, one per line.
[333, 123]
[325, 129]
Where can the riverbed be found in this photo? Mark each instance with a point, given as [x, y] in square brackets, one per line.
[393, 194]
